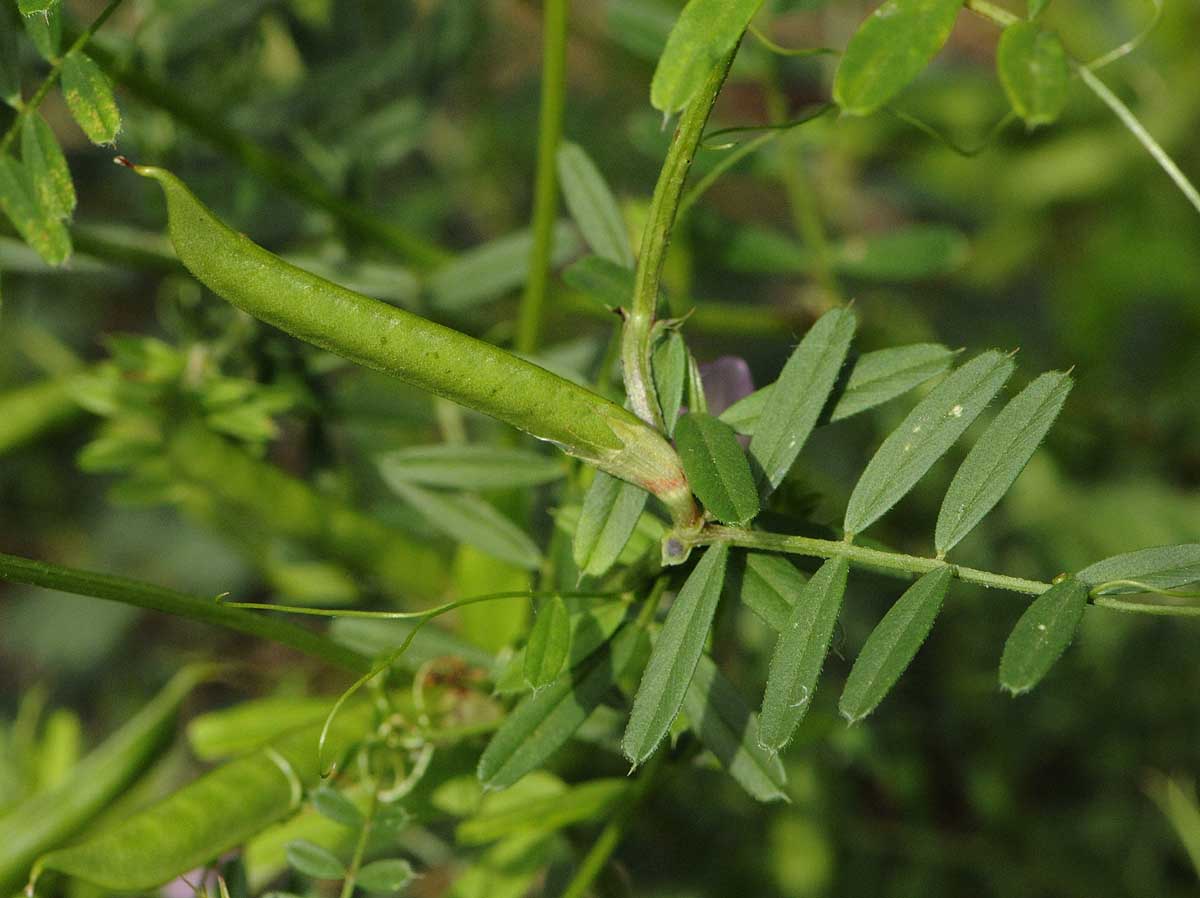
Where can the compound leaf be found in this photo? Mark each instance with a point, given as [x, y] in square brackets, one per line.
[593, 206]
[549, 643]
[924, 436]
[1034, 71]
[893, 644]
[729, 729]
[889, 50]
[674, 657]
[1042, 634]
[794, 402]
[717, 468]
[704, 33]
[995, 462]
[800, 654]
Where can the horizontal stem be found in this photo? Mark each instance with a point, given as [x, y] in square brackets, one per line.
[157, 598]
[886, 562]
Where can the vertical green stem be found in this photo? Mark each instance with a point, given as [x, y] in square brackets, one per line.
[806, 217]
[545, 200]
[360, 847]
[635, 341]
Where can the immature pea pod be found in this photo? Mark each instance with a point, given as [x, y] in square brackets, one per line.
[421, 352]
[47, 818]
[209, 816]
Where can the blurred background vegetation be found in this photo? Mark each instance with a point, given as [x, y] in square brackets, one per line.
[374, 141]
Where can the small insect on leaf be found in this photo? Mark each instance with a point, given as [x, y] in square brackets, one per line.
[717, 468]
[89, 96]
[37, 227]
[47, 167]
[540, 725]
[1034, 71]
[704, 33]
[470, 520]
[1042, 634]
[549, 643]
[889, 50]
[893, 644]
[795, 401]
[995, 462]
[924, 436]
[676, 652]
[1162, 567]
[593, 206]
[800, 654]
[470, 467]
[386, 876]
[607, 520]
[728, 728]
[313, 860]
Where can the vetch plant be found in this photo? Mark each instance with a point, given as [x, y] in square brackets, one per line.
[602, 623]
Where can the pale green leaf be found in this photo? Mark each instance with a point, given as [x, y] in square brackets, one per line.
[1162, 567]
[1035, 72]
[468, 519]
[10, 72]
[493, 269]
[913, 253]
[336, 806]
[593, 206]
[1177, 801]
[470, 467]
[386, 876]
[590, 629]
[768, 584]
[1042, 634]
[728, 728]
[1035, 7]
[924, 436]
[607, 282]
[89, 96]
[37, 227]
[313, 860]
[47, 167]
[537, 727]
[228, 732]
[549, 643]
[704, 33]
[547, 813]
[800, 654]
[717, 468]
[893, 644]
[35, 7]
[889, 50]
[669, 363]
[676, 652]
[796, 399]
[610, 513]
[995, 462]
[875, 378]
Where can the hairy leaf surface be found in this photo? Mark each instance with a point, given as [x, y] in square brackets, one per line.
[1042, 634]
[717, 468]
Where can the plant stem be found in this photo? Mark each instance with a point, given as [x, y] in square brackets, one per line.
[892, 563]
[157, 598]
[635, 340]
[272, 167]
[545, 202]
[614, 831]
[360, 847]
[992, 12]
[30, 105]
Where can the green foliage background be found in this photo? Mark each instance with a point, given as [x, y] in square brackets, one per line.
[1075, 249]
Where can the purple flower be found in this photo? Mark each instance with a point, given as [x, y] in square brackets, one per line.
[726, 380]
